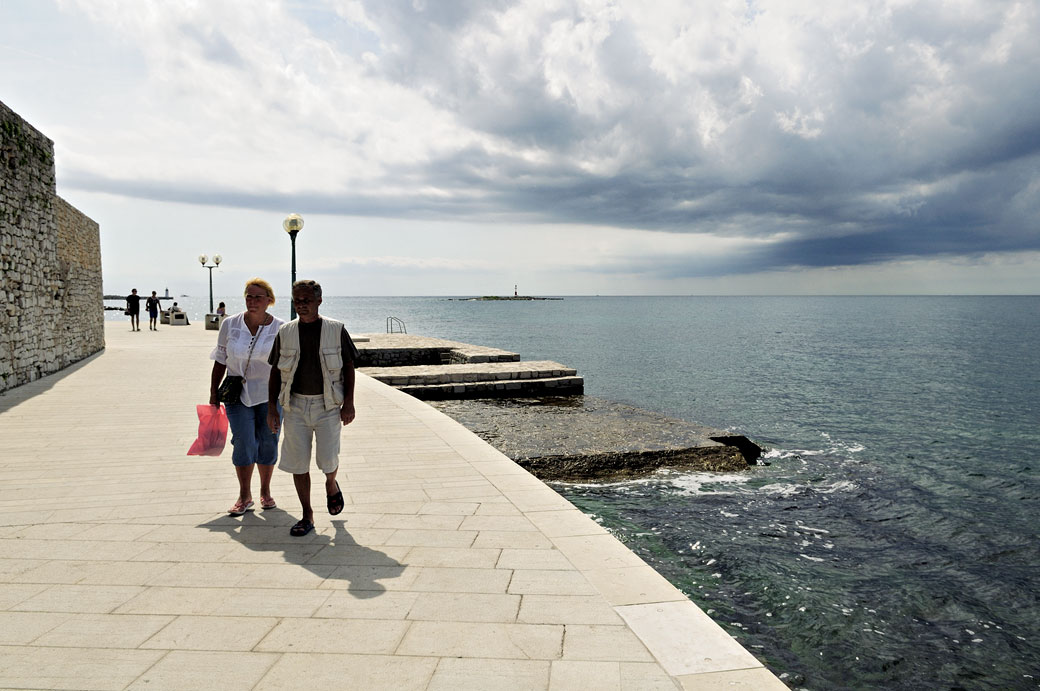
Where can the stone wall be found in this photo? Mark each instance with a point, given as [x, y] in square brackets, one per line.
[51, 309]
[400, 357]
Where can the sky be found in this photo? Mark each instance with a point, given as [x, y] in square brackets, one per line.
[566, 147]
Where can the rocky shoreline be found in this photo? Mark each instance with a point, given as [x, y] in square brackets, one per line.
[586, 439]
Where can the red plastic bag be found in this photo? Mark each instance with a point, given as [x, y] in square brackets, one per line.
[213, 426]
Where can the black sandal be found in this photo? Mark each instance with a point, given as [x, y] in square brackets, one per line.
[335, 501]
[302, 527]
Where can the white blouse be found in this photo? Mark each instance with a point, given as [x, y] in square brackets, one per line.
[232, 350]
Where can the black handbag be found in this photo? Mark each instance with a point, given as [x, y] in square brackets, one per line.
[230, 390]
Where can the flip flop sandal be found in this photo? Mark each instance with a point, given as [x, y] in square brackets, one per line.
[335, 501]
[302, 527]
[239, 508]
[267, 503]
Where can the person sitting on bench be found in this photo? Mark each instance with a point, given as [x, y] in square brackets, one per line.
[175, 308]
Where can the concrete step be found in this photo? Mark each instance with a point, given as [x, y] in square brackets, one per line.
[545, 386]
[485, 372]
[401, 350]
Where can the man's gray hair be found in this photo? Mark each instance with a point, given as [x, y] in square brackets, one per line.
[313, 285]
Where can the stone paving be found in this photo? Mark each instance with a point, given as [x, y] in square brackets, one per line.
[450, 568]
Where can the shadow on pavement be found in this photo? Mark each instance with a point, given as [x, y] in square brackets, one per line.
[23, 392]
[333, 557]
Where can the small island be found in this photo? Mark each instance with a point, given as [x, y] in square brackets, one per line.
[506, 297]
[515, 296]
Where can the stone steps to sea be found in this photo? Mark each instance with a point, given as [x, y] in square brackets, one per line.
[434, 368]
[538, 420]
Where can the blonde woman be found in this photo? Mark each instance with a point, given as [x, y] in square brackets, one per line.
[243, 347]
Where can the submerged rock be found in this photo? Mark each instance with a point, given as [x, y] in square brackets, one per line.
[612, 466]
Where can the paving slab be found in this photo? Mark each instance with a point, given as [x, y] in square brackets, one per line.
[450, 566]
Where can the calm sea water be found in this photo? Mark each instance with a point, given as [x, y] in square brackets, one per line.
[892, 541]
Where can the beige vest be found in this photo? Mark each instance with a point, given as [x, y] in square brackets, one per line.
[330, 352]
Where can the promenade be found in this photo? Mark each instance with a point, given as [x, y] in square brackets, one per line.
[450, 567]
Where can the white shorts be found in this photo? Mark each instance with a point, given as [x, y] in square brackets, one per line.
[305, 418]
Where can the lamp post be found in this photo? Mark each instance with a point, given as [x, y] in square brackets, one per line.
[216, 262]
[293, 224]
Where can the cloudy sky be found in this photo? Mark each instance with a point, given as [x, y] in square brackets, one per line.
[458, 147]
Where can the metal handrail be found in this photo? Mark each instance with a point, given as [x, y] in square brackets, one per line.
[394, 322]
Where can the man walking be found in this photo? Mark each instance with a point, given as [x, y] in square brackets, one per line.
[312, 378]
[133, 308]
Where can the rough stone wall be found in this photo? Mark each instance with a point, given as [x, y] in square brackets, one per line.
[398, 357]
[79, 289]
[52, 313]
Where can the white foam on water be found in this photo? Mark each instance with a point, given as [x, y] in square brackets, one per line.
[786, 489]
[707, 483]
[829, 447]
[840, 486]
[619, 484]
[781, 454]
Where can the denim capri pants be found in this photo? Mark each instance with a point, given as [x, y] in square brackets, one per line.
[250, 435]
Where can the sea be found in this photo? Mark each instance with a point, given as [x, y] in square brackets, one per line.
[890, 539]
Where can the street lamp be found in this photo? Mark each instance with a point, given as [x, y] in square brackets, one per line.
[293, 224]
[216, 262]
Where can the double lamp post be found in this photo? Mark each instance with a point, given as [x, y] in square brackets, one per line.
[216, 262]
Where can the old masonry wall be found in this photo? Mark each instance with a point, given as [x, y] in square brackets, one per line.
[52, 312]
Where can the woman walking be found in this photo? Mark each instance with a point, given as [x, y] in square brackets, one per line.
[243, 346]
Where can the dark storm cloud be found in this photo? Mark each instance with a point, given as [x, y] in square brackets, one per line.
[912, 136]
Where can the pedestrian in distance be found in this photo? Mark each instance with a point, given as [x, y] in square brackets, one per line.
[312, 377]
[152, 305]
[243, 346]
[133, 309]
